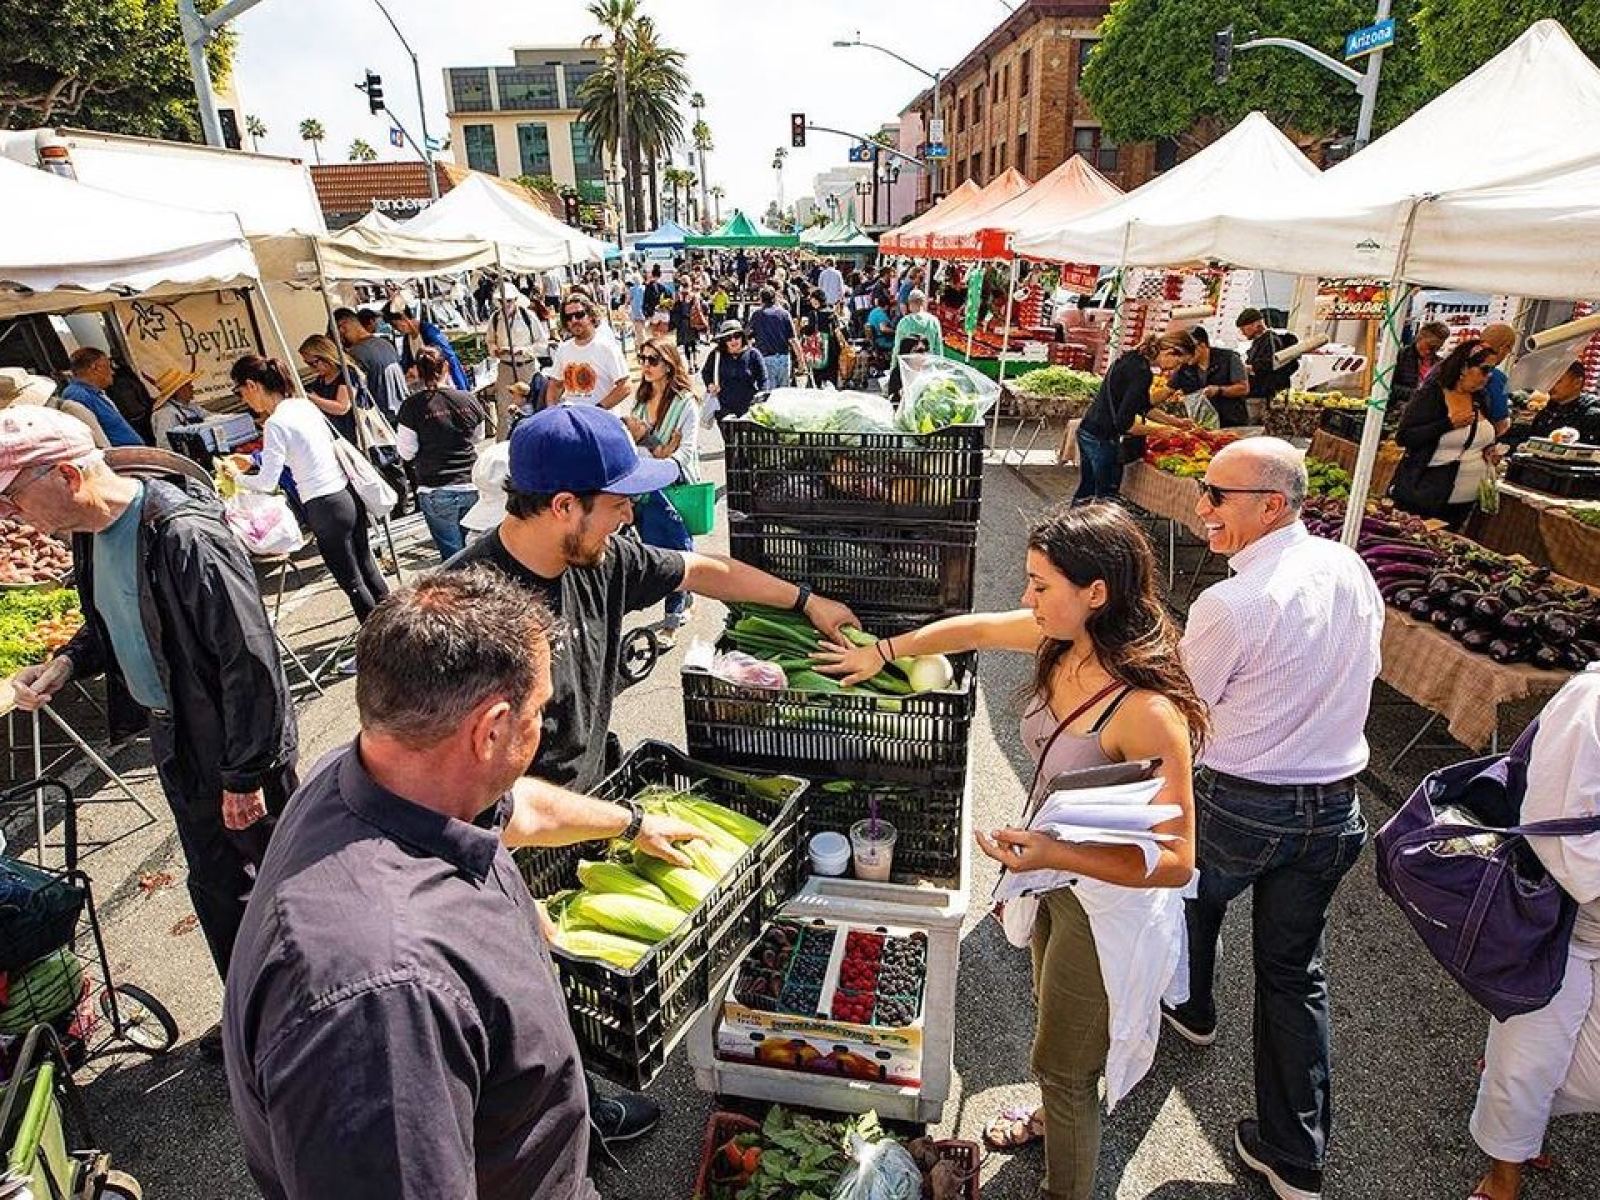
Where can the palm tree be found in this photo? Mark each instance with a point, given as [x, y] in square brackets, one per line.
[619, 18]
[717, 193]
[656, 83]
[701, 136]
[257, 129]
[361, 152]
[311, 130]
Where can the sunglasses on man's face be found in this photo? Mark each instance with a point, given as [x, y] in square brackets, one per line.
[574, 316]
[1216, 495]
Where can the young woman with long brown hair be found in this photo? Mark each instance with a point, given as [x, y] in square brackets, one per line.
[1108, 686]
[664, 420]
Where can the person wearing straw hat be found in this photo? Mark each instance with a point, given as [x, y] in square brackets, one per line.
[734, 372]
[17, 386]
[517, 339]
[172, 404]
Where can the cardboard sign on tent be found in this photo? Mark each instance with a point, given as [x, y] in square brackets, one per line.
[1072, 190]
[907, 238]
[1167, 222]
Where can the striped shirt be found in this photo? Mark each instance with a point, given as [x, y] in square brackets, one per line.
[1285, 652]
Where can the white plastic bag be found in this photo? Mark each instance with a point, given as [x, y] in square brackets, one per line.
[879, 1171]
[265, 524]
[812, 410]
[1201, 411]
[937, 393]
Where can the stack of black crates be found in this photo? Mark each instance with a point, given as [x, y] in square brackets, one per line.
[888, 524]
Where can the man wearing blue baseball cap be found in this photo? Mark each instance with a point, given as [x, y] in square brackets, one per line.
[574, 471]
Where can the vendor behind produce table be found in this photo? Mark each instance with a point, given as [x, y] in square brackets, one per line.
[1448, 438]
[1266, 381]
[92, 374]
[1501, 339]
[1220, 374]
[734, 372]
[172, 404]
[1284, 654]
[1417, 358]
[173, 618]
[1120, 415]
[1567, 407]
[574, 472]
[394, 1025]
[1108, 687]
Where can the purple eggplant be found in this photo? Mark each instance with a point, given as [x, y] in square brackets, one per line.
[1441, 616]
[1558, 626]
[1460, 627]
[1462, 602]
[1508, 650]
[1489, 609]
[1515, 596]
[1402, 596]
[1550, 658]
[1477, 640]
[1519, 621]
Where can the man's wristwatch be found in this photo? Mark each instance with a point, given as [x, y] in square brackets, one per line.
[801, 600]
[635, 819]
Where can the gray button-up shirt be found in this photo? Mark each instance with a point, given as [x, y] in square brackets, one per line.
[393, 1024]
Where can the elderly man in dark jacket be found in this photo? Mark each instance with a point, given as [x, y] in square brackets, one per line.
[173, 617]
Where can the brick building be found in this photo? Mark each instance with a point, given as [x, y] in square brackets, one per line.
[1013, 101]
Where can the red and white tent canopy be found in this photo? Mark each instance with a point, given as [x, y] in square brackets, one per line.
[1072, 190]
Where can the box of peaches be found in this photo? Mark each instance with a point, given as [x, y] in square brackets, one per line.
[830, 998]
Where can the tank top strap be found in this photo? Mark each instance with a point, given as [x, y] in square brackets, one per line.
[1111, 709]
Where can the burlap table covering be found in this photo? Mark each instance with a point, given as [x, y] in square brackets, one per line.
[1330, 447]
[1542, 529]
[1163, 495]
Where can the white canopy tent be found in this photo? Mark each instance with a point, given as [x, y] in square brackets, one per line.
[1169, 222]
[66, 245]
[526, 237]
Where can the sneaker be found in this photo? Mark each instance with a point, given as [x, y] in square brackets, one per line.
[1187, 1028]
[667, 637]
[624, 1117]
[1286, 1182]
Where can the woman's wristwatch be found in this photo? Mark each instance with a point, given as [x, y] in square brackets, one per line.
[635, 819]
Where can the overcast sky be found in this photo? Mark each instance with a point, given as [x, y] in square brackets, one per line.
[755, 62]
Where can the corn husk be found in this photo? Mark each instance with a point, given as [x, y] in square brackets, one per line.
[686, 886]
[613, 948]
[614, 877]
[646, 920]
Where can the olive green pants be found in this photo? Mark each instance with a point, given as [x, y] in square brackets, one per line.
[1070, 1043]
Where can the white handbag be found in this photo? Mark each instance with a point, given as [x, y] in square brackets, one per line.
[371, 488]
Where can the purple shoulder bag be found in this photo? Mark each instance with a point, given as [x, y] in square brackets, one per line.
[1494, 918]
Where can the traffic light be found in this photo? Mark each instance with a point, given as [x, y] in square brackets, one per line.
[1221, 55]
[570, 209]
[374, 90]
[797, 130]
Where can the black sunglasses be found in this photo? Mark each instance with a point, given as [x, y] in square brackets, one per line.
[1216, 495]
[649, 360]
[574, 316]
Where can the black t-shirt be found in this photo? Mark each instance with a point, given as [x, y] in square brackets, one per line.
[444, 421]
[1124, 395]
[1266, 381]
[590, 602]
[345, 422]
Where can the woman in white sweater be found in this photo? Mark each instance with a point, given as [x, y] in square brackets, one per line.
[664, 420]
[297, 435]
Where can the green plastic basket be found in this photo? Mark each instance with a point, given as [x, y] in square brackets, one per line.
[696, 504]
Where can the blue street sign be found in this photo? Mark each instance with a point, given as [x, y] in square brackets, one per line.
[937, 150]
[861, 153]
[435, 145]
[396, 138]
[1373, 37]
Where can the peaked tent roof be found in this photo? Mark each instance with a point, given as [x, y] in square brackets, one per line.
[846, 237]
[528, 238]
[906, 239]
[65, 244]
[740, 230]
[1072, 190]
[669, 236]
[1352, 219]
[1002, 189]
[1167, 222]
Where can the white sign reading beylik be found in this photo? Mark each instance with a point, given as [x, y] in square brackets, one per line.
[203, 333]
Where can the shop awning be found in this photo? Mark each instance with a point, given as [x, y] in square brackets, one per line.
[1072, 190]
[740, 230]
[66, 245]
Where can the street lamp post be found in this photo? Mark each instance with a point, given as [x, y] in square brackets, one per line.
[422, 105]
[197, 32]
[936, 76]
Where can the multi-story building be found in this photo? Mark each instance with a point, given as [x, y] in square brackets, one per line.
[524, 119]
[1014, 101]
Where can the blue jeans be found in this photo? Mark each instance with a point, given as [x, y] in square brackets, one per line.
[442, 509]
[660, 525]
[1099, 467]
[778, 368]
[1292, 846]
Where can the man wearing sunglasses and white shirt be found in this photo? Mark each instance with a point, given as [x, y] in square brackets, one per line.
[1284, 652]
[589, 369]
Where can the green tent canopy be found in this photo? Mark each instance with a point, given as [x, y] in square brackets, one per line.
[845, 237]
[740, 230]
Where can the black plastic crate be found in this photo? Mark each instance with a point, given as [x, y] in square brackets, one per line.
[927, 822]
[900, 476]
[841, 735]
[922, 568]
[1573, 481]
[1346, 423]
[627, 1021]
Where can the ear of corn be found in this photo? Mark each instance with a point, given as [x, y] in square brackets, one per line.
[646, 920]
[614, 877]
[686, 886]
[613, 948]
[746, 829]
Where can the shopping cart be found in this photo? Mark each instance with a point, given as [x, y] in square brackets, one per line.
[42, 1116]
[52, 951]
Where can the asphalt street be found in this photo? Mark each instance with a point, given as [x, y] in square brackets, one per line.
[1407, 1041]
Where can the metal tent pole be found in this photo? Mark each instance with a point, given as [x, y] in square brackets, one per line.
[1005, 344]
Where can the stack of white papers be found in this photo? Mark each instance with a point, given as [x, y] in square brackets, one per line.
[1120, 815]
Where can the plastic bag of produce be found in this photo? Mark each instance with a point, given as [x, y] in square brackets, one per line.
[1201, 411]
[812, 410]
[265, 524]
[937, 393]
[879, 1171]
[746, 670]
